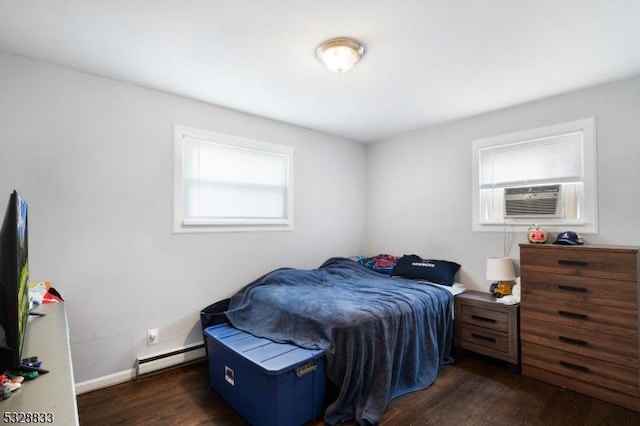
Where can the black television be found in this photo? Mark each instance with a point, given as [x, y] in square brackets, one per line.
[14, 277]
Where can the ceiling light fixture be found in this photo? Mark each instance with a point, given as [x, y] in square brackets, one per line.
[340, 54]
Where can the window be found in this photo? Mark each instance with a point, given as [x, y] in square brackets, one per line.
[228, 183]
[559, 158]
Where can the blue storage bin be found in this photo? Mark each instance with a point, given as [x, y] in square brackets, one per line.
[268, 383]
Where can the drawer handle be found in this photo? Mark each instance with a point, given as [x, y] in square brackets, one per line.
[306, 368]
[573, 315]
[572, 262]
[571, 288]
[574, 366]
[481, 337]
[475, 317]
[573, 341]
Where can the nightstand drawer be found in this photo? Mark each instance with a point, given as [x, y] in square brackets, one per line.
[485, 318]
[492, 339]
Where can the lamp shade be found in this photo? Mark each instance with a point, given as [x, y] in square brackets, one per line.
[500, 269]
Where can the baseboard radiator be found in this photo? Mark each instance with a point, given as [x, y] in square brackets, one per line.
[152, 363]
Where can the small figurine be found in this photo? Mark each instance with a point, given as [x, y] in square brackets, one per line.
[500, 289]
[514, 297]
[537, 235]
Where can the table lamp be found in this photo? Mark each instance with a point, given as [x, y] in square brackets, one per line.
[500, 271]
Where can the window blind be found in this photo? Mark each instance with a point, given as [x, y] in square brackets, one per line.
[550, 159]
[229, 184]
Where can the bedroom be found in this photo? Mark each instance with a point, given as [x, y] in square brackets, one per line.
[93, 157]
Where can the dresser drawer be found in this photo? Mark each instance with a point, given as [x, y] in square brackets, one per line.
[595, 318]
[607, 347]
[583, 261]
[585, 369]
[485, 318]
[597, 291]
[622, 399]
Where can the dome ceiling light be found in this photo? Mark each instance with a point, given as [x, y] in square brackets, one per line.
[340, 54]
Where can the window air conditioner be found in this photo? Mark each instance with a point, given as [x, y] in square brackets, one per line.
[532, 201]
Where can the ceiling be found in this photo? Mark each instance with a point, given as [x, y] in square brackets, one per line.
[427, 61]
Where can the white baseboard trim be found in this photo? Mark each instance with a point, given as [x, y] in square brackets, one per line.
[105, 381]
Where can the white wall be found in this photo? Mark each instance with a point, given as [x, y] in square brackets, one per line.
[93, 158]
[420, 183]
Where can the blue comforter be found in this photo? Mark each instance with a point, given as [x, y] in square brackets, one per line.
[382, 336]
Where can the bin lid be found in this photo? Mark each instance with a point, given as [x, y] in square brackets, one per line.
[271, 356]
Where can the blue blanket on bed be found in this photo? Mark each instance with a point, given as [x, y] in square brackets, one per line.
[382, 336]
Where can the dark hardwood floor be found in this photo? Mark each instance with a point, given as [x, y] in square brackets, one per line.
[473, 391]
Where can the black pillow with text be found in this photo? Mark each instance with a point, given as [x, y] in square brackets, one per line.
[436, 271]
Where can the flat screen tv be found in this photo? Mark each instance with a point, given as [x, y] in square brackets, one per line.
[14, 275]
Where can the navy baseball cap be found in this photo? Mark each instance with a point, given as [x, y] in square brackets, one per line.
[568, 238]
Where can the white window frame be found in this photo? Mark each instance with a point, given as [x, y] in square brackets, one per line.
[588, 223]
[201, 225]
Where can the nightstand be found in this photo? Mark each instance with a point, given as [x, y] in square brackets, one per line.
[487, 327]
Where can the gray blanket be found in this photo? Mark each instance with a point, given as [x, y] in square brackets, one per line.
[382, 336]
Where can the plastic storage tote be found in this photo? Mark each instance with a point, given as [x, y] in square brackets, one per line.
[268, 383]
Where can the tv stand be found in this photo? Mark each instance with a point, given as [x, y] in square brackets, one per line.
[50, 396]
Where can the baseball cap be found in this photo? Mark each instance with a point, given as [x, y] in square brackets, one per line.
[568, 238]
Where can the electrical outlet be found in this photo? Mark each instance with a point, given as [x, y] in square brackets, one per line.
[152, 337]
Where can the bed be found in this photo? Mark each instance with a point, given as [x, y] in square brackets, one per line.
[383, 336]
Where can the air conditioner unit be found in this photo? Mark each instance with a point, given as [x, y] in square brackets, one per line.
[532, 201]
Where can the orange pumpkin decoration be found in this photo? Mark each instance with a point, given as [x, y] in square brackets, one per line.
[537, 235]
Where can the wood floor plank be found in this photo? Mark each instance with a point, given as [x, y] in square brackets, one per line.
[473, 391]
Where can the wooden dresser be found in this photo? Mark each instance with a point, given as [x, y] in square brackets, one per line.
[579, 319]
